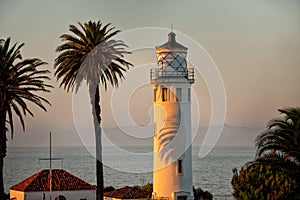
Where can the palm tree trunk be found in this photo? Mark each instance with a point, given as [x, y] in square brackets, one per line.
[1, 177]
[3, 148]
[96, 111]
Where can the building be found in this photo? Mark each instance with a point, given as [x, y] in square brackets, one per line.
[65, 186]
[171, 81]
[127, 193]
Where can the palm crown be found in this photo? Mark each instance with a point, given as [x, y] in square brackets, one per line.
[19, 81]
[282, 134]
[90, 55]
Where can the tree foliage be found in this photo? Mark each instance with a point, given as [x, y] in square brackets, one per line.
[200, 194]
[147, 187]
[282, 135]
[263, 182]
[90, 54]
[108, 189]
[275, 174]
[19, 81]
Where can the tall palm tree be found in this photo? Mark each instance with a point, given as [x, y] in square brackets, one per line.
[19, 80]
[89, 54]
[282, 135]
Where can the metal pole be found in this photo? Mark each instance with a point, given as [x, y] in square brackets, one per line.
[50, 170]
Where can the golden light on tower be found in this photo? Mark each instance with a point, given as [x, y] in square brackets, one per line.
[171, 81]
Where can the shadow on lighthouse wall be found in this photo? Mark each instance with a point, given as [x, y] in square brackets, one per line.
[171, 138]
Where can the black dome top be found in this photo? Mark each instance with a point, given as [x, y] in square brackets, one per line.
[172, 44]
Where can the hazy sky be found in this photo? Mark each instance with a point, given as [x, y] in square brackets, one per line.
[255, 45]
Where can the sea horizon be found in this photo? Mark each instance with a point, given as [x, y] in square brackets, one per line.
[212, 173]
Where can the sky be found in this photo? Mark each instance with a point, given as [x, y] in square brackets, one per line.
[254, 44]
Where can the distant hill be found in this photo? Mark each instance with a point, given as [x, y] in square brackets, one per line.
[128, 136]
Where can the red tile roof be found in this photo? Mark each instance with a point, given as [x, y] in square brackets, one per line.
[128, 193]
[61, 181]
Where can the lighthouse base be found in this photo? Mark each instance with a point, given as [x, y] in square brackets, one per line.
[175, 196]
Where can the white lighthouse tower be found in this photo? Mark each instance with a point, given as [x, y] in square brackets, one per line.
[171, 81]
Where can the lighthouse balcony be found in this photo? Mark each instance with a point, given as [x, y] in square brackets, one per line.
[171, 75]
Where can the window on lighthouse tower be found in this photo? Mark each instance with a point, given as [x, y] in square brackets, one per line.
[165, 94]
[179, 167]
[182, 198]
[178, 94]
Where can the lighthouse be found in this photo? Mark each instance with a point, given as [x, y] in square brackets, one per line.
[172, 159]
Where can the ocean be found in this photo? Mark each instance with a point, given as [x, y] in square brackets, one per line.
[212, 173]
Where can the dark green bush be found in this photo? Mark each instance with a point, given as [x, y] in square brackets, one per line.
[262, 181]
[200, 194]
[108, 189]
[148, 187]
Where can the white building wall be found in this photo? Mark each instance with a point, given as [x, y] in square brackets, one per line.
[70, 195]
[171, 143]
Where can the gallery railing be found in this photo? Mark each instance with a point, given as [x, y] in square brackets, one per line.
[156, 74]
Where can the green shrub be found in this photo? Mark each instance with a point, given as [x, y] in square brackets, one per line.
[262, 181]
[148, 187]
[199, 194]
[108, 189]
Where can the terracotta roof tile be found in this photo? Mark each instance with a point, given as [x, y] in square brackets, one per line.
[61, 181]
[128, 193]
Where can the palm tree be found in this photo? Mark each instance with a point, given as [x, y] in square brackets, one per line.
[282, 135]
[91, 55]
[19, 80]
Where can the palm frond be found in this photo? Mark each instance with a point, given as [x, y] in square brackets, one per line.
[282, 135]
[20, 80]
[89, 54]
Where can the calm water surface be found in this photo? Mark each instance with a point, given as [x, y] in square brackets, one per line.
[212, 173]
